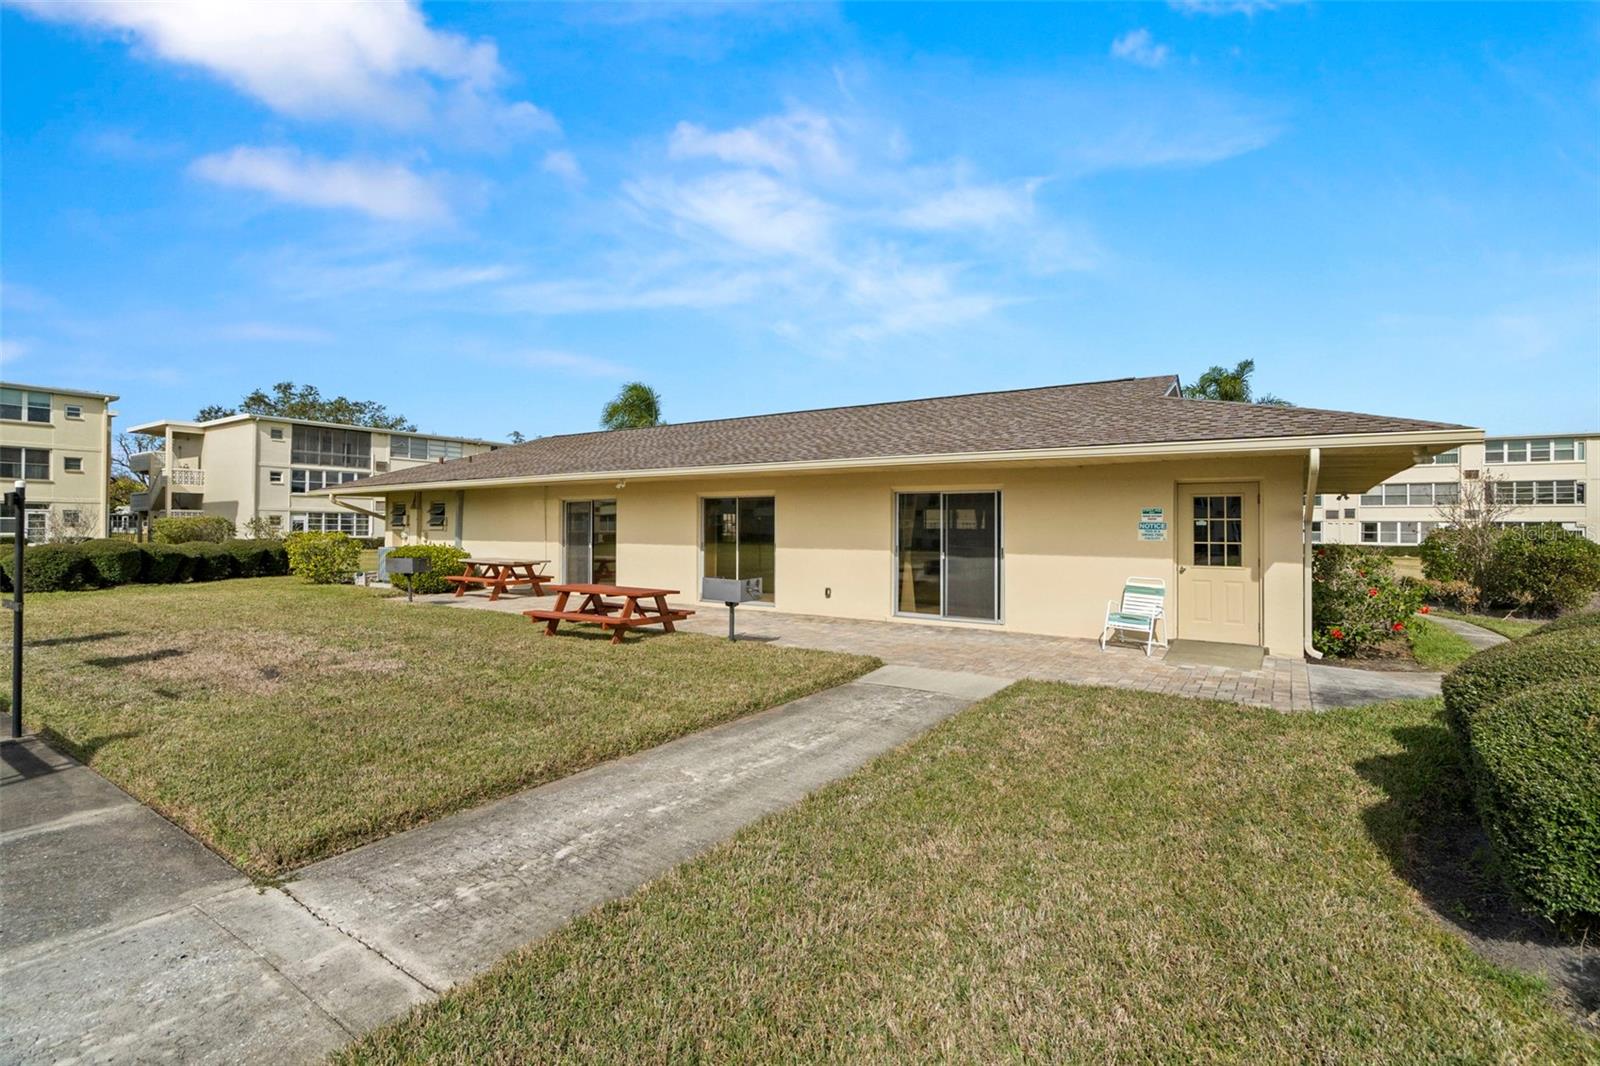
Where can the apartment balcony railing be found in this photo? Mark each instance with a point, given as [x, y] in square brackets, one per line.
[187, 476]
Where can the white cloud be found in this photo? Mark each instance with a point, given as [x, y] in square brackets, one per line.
[745, 207]
[564, 165]
[1137, 46]
[387, 191]
[273, 332]
[375, 61]
[687, 291]
[1229, 7]
[12, 349]
[798, 139]
[971, 207]
[569, 362]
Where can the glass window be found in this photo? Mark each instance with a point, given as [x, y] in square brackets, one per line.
[1316, 532]
[1449, 458]
[33, 526]
[30, 463]
[1494, 451]
[12, 401]
[1369, 532]
[72, 410]
[1516, 451]
[1218, 531]
[948, 554]
[1349, 512]
[590, 542]
[1393, 494]
[1421, 494]
[1373, 498]
[325, 446]
[1538, 451]
[397, 516]
[1446, 492]
[276, 433]
[740, 540]
[436, 515]
[38, 407]
[275, 477]
[72, 464]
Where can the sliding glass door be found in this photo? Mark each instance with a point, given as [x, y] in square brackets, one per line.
[740, 540]
[947, 554]
[590, 542]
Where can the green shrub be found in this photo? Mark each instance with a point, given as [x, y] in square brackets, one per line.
[1442, 560]
[211, 528]
[1541, 657]
[164, 564]
[1580, 620]
[1542, 568]
[1459, 595]
[209, 562]
[48, 568]
[444, 560]
[1356, 602]
[323, 558]
[1536, 780]
[112, 562]
[259, 558]
[371, 543]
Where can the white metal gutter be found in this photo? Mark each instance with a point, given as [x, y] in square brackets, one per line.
[1313, 468]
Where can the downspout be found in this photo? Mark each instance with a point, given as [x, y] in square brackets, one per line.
[1313, 468]
[461, 512]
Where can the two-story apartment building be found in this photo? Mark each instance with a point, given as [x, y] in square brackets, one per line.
[1541, 479]
[59, 442]
[247, 466]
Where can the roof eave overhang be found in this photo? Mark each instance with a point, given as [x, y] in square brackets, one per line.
[1429, 441]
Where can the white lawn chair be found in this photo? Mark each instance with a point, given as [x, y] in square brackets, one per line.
[1143, 607]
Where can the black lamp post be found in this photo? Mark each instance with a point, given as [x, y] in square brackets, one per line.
[16, 502]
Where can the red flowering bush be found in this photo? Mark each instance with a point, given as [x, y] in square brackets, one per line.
[1356, 601]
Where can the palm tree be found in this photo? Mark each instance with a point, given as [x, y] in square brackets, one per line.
[1220, 383]
[637, 406]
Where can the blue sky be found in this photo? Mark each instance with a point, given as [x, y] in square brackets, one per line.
[488, 217]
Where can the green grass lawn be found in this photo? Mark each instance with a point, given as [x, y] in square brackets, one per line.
[281, 722]
[1435, 647]
[1506, 627]
[1060, 873]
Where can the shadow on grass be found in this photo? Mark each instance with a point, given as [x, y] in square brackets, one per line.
[109, 662]
[82, 638]
[1433, 840]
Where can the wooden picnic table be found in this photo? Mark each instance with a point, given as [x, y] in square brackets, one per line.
[618, 608]
[498, 574]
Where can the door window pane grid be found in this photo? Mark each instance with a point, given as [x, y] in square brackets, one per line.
[1218, 530]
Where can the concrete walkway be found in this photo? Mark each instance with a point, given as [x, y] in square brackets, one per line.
[448, 900]
[123, 939]
[1477, 636]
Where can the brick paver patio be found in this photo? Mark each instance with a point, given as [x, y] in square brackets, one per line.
[1282, 684]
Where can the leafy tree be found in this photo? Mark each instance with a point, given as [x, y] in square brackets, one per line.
[122, 489]
[288, 400]
[1221, 383]
[636, 406]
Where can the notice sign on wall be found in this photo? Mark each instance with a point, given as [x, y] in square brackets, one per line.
[1152, 523]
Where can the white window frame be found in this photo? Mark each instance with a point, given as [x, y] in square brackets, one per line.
[68, 460]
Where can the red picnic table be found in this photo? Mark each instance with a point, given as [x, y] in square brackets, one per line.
[497, 574]
[618, 608]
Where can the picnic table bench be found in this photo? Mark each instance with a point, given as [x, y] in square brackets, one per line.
[498, 574]
[618, 608]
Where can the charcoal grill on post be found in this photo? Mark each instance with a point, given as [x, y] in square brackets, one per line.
[731, 592]
[408, 567]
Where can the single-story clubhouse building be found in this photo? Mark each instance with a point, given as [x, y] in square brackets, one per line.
[1023, 510]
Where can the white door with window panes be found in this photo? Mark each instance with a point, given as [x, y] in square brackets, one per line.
[1219, 564]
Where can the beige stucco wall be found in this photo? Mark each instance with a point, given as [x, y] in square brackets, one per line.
[1069, 535]
[87, 438]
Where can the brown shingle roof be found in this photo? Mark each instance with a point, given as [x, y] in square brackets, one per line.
[1128, 411]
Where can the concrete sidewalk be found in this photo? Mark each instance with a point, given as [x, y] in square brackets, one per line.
[123, 939]
[446, 901]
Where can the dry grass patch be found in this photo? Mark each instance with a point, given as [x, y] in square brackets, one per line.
[1060, 873]
[282, 723]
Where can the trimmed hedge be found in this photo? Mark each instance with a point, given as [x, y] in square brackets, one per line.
[1541, 657]
[323, 558]
[111, 562]
[209, 562]
[444, 560]
[1580, 620]
[1536, 781]
[48, 568]
[211, 528]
